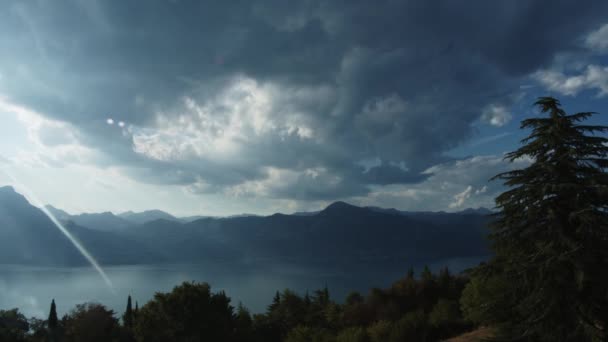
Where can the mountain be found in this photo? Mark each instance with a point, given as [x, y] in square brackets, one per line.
[341, 235]
[305, 213]
[59, 214]
[478, 211]
[187, 219]
[147, 216]
[28, 236]
[105, 221]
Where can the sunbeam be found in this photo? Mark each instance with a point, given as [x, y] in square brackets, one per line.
[36, 202]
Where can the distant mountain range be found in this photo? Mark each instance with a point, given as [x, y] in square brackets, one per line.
[340, 234]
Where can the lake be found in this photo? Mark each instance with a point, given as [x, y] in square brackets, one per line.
[32, 288]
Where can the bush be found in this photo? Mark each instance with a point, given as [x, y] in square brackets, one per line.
[353, 334]
[309, 334]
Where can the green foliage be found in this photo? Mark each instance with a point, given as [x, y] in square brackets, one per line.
[380, 331]
[38, 331]
[478, 302]
[52, 321]
[550, 237]
[243, 324]
[353, 334]
[444, 312]
[309, 334]
[412, 327]
[91, 322]
[127, 317]
[13, 325]
[188, 313]
[354, 298]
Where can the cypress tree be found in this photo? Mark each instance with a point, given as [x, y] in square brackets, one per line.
[550, 235]
[127, 318]
[52, 321]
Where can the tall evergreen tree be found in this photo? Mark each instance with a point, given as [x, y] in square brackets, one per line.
[551, 235]
[127, 318]
[276, 302]
[53, 323]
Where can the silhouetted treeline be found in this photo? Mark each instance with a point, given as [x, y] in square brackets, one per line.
[423, 308]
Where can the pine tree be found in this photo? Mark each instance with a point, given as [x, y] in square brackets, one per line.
[136, 310]
[550, 237]
[276, 302]
[127, 318]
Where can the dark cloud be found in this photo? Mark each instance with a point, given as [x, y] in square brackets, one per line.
[231, 96]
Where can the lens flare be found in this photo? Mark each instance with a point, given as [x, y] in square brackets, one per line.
[85, 253]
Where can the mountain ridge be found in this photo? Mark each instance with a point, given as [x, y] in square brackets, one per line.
[341, 234]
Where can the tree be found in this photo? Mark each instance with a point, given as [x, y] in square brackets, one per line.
[136, 310]
[478, 301]
[352, 334]
[244, 324]
[276, 301]
[13, 325]
[53, 324]
[190, 312]
[52, 321]
[38, 330]
[91, 322]
[380, 331]
[309, 334]
[550, 236]
[127, 317]
[411, 327]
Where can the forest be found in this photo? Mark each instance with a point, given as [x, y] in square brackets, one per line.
[423, 308]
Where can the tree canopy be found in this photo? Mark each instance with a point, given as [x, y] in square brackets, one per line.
[550, 237]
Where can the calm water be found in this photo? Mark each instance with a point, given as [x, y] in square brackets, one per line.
[31, 289]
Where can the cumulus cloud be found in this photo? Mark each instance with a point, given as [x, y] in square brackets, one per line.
[594, 77]
[598, 40]
[452, 186]
[275, 99]
[572, 73]
[496, 115]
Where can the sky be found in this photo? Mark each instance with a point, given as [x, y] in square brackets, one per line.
[227, 107]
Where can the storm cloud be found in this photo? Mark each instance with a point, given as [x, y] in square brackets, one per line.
[308, 100]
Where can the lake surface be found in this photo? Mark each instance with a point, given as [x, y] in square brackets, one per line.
[32, 288]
